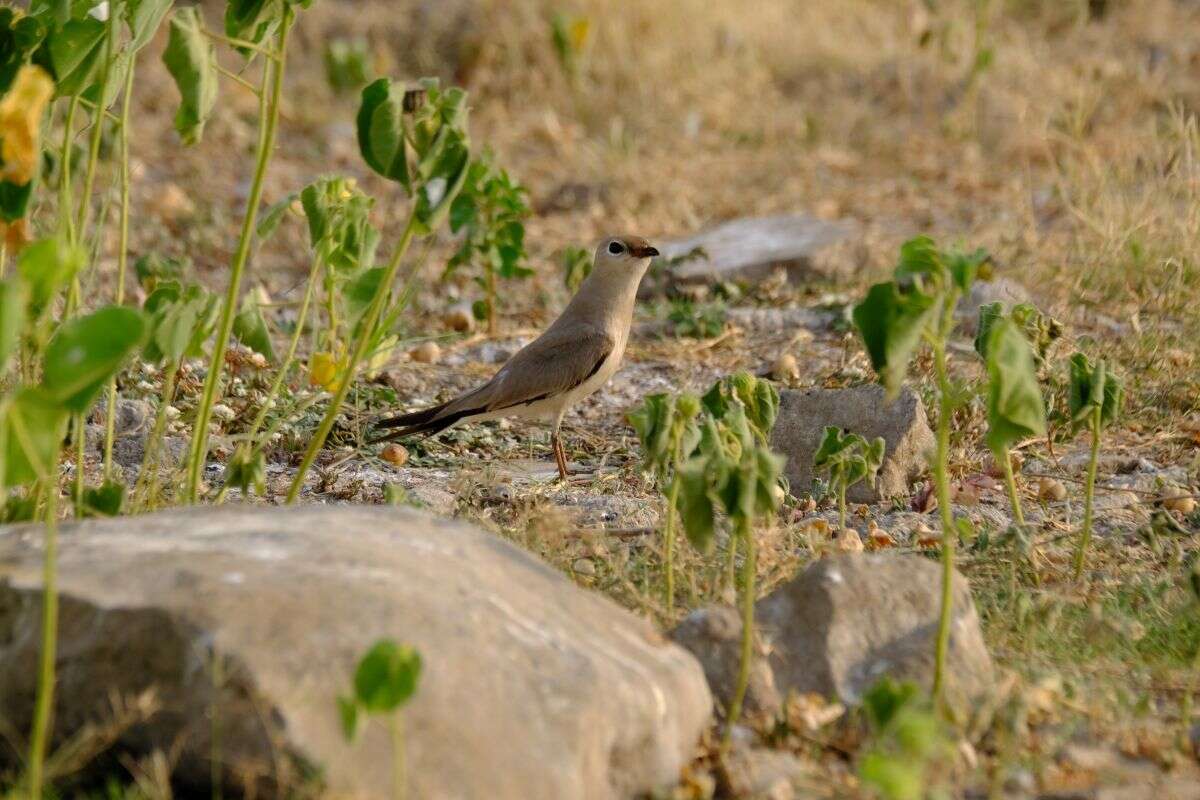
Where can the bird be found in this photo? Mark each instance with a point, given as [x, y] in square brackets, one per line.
[573, 358]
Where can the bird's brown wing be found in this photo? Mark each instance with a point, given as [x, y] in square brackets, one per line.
[556, 362]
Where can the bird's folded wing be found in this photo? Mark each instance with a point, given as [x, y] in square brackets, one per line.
[555, 363]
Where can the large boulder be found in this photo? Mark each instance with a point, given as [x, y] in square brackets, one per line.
[251, 621]
[803, 416]
[846, 622]
[753, 248]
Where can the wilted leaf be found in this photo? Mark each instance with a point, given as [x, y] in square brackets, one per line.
[46, 266]
[13, 298]
[381, 131]
[1014, 399]
[891, 322]
[250, 328]
[143, 18]
[191, 60]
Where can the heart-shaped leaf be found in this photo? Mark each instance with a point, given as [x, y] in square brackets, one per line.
[87, 351]
[192, 62]
[386, 677]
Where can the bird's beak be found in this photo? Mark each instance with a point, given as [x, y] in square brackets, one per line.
[648, 251]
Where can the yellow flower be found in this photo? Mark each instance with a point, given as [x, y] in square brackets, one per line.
[20, 123]
[323, 371]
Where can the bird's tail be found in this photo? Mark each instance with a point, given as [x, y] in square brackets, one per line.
[425, 422]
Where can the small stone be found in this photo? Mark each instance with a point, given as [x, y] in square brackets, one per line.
[173, 203]
[848, 541]
[459, 317]
[879, 537]
[1051, 490]
[785, 368]
[1177, 499]
[257, 360]
[395, 454]
[426, 353]
[584, 566]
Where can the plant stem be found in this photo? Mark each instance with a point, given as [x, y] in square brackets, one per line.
[366, 331]
[65, 204]
[399, 762]
[268, 110]
[1089, 491]
[1011, 483]
[284, 368]
[669, 544]
[842, 505]
[110, 424]
[490, 273]
[89, 178]
[746, 533]
[45, 690]
[80, 447]
[942, 483]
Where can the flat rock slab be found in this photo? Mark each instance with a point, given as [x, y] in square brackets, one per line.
[753, 248]
[256, 618]
[803, 416]
[840, 626]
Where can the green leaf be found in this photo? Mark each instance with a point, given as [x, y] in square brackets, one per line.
[891, 322]
[381, 131]
[105, 500]
[143, 18]
[989, 314]
[348, 713]
[20, 36]
[273, 215]
[46, 266]
[192, 62]
[247, 472]
[386, 677]
[31, 430]
[1092, 387]
[13, 297]
[74, 52]
[895, 777]
[153, 267]
[87, 351]
[697, 512]
[1014, 399]
[250, 328]
[14, 199]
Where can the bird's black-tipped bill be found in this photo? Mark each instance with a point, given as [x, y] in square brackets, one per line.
[647, 251]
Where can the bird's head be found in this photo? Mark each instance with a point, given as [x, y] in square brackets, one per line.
[625, 255]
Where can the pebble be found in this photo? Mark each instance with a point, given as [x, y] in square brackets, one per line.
[426, 353]
[395, 454]
[1176, 499]
[459, 317]
[584, 566]
[1051, 489]
[785, 368]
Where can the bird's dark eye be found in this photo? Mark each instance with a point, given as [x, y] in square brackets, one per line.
[616, 248]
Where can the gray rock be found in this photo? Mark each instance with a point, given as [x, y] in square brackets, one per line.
[713, 635]
[840, 626]
[998, 290]
[532, 687]
[130, 451]
[133, 416]
[803, 416]
[752, 248]
[765, 774]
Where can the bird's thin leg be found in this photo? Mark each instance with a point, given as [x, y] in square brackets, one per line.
[560, 457]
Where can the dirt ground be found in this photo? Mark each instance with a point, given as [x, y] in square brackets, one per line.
[1071, 155]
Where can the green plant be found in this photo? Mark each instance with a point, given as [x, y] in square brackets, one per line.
[385, 680]
[576, 265]
[191, 59]
[419, 140]
[489, 212]
[848, 459]
[1014, 399]
[1094, 399]
[65, 370]
[1040, 330]
[570, 35]
[343, 246]
[906, 741]
[691, 320]
[894, 319]
[347, 64]
[666, 426]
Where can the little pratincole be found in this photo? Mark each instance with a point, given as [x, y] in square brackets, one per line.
[576, 355]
